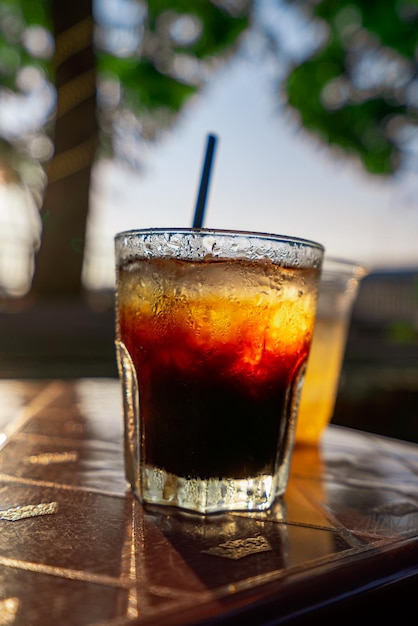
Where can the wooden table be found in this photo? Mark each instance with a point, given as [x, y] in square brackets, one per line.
[76, 548]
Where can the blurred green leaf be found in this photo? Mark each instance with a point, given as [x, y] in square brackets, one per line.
[147, 89]
[220, 30]
[148, 81]
[18, 15]
[37, 12]
[358, 128]
[30, 11]
[357, 120]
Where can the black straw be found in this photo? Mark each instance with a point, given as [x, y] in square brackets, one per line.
[204, 182]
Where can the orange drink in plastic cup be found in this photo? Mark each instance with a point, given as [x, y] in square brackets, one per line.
[337, 293]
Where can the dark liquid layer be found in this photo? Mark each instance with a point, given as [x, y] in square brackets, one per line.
[202, 422]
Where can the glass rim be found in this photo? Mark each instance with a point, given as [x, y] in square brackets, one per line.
[355, 268]
[222, 232]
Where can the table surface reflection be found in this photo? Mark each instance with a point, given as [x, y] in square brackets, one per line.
[77, 548]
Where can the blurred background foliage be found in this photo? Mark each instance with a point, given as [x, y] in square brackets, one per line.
[359, 89]
[354, 86]
[151, 58]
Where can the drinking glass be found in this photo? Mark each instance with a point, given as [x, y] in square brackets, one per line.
[213, 329]
[338, 291]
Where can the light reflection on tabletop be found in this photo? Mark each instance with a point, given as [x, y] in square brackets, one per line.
[77, 548]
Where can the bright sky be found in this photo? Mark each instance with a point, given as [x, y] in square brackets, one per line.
[268, 176]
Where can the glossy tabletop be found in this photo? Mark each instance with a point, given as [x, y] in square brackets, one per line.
[76, 548]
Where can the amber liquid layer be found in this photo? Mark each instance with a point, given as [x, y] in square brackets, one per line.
[217, 347]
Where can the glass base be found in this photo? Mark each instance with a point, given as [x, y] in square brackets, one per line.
[208, 496]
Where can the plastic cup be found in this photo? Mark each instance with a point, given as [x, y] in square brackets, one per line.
[212, 336]
[338, 291]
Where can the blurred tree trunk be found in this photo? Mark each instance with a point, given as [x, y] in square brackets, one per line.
[65, 208]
